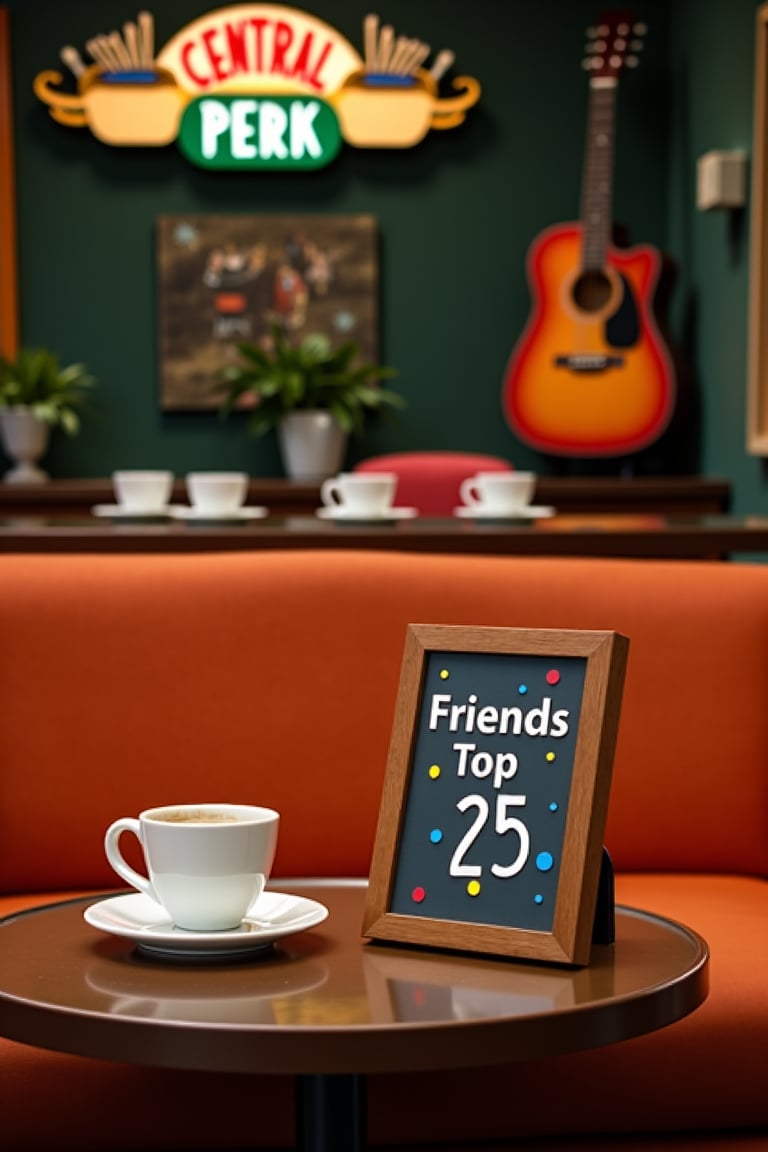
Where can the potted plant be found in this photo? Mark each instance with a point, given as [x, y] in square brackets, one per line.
[36, 395]
[313, 393]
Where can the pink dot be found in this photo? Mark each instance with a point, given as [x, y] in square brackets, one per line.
[553, 676]
[418, 895]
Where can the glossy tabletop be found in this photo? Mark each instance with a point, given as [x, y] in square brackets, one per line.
[647, 535]
[330, 1002]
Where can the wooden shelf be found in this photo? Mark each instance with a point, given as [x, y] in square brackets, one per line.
[677, 495]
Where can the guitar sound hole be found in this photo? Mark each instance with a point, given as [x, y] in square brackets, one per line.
[592, 291]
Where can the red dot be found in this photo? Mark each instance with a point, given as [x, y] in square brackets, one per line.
[553, 676]
[418, 895]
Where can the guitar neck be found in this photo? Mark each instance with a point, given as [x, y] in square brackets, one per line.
[597, 183]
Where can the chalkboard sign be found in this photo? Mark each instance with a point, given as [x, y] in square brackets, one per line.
[490, 831]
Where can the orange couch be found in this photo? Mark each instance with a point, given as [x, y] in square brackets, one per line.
[132, 680]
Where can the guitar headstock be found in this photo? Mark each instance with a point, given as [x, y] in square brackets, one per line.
[613, 44]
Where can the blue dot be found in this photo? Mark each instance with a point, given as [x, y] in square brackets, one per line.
[523, 689]
[436, 835]
[538, 898]
[544, 861]
[554, 806]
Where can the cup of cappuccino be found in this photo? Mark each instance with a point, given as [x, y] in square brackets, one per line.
[498, 493]
[360, 493]
[207, 864]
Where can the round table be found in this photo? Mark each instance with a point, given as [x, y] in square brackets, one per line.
[334, 1006]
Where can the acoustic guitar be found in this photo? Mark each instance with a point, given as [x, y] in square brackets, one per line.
[591, 374]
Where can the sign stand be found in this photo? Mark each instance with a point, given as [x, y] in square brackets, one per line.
[604, 927]
[491, 825]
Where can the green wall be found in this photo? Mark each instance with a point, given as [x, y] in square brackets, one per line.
[712, 48]
[456, 215]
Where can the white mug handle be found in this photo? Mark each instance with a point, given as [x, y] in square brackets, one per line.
[329, 492]
[468, 491]
[115, 856]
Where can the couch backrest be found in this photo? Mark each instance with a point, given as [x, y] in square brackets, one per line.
[128, 681]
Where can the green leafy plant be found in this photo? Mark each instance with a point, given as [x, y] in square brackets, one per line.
[310, 375]
[55, 395]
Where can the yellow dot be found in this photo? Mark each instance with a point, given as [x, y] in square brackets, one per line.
[434, 771]
[550, 755]
[444, 673]
[473, 888]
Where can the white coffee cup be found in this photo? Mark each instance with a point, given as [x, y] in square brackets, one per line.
[217, 492]
[142, 491]
[503, 493]
[360, 493]
[207, 863]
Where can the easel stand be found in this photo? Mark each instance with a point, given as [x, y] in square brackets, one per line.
[604, 928]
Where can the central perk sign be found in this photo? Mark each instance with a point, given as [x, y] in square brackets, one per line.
[490, 834]
[257, 86]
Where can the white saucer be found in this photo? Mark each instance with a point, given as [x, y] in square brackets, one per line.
[185, 512]
[531, 512]
[345, 516]
[140, 919]
[118, 512]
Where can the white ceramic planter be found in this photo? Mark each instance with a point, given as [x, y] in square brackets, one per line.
[25, 439]
[312, 445]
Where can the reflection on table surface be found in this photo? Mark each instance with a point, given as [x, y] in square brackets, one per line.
[329, 974]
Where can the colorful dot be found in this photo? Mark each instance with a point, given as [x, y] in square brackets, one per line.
[544, 861]
[554, 806]
[418, 895]
[444, 673]
[538, 898]
[523, 688]
[550, 756]
[473, 888]
[436, 835]
[553, 676]
[434, 771]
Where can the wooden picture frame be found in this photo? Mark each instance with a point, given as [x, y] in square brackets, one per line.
[9, 316]
[475, 707]
[757, 355]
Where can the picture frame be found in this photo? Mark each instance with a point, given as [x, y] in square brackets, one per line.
[9, 313]
[757, 345]
[490, 830]
[226, 279]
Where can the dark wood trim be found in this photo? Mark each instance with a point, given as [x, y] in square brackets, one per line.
[9, 313]
[757, 390]
[640, 535]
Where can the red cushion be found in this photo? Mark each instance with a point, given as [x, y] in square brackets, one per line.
[430, 481]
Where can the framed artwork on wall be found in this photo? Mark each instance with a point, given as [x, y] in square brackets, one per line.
[9, 321]
[757, 394]
[222, 280]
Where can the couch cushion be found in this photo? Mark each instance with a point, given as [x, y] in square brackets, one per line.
[127, 681]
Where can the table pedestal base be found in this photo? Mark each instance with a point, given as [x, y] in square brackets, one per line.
[331, 1113]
